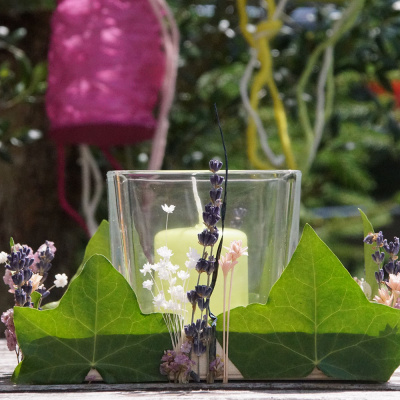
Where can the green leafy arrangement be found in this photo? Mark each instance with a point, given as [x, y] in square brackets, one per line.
[316, 317]
[97, 325]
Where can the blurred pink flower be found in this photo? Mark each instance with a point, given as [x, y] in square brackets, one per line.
[7, 278]
[236, 250]
[226, 264]
[7, 318]
[394, 282]
[384, 297]
[11, 340]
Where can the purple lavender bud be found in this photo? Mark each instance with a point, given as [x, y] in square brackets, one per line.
[198, 347]
[396, 268]
[379, 275]
[28, 302]
[20, 297]
[201, 324]
[210, 219]
[27, 274]
[203, 291]
[43, 291]
[216, 180]
[192, 297]
[18, 278]
[215, 194]
[369, 239]
[206, 238]
[202, 265]
[27, 288]
[389, 267]
[211, 265]
[379, 239]
[378, 257]
[393, 247]
[203, 303]
[20, 259]
[45, 258]
[215, 165]
[190, 330]
[207, 333]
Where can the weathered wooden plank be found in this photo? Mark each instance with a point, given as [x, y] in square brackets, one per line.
[329, 390]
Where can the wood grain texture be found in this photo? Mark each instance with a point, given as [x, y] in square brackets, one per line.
[240, 390]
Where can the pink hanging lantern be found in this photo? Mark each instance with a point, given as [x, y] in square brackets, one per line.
[111, 62]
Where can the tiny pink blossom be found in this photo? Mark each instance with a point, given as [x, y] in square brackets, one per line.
[7, 278]
[11, 340]
[8, 320]
[394, 282]
[236, 250]
[226, 264]
[384, 297]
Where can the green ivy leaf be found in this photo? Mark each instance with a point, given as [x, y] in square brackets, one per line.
[369, 264]
[97, 324]
[316, 316]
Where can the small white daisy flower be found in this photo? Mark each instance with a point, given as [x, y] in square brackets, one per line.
[148, 284]
[155, 267]
[159, 300]
[61, 280]
[146, 269]
[165, 252]
[193, 254]
[3, 257]
[163, 274]
[183, 275]
[173, 268]
[168, 209]
[172, 282]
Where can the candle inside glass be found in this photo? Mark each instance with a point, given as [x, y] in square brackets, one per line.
[180, 240]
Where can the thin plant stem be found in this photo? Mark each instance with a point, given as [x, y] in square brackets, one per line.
[223, 325]
[227, 328]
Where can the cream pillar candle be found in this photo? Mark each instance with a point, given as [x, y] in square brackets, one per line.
[180, 240]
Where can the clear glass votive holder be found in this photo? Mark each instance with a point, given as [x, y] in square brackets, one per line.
[262, 210]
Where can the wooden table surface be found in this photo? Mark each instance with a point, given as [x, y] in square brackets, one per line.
[286, 390]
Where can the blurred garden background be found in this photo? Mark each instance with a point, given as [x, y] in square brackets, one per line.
[355, 162]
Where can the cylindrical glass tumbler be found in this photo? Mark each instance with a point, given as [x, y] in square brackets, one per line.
[262, 211]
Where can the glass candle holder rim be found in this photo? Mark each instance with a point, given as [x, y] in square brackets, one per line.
[232, 173]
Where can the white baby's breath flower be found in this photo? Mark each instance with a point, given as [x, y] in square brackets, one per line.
[165, 252]
[146, 269]
[171, 305]
[176, 292]
[168, 209]
[159, 300]
[193, 254]
[173, 268]
[3, 257]
[183, 275]
[172, 281]
[155, 267]
[61, 280]
[193, 257]
[163, 274]
[148, 284]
